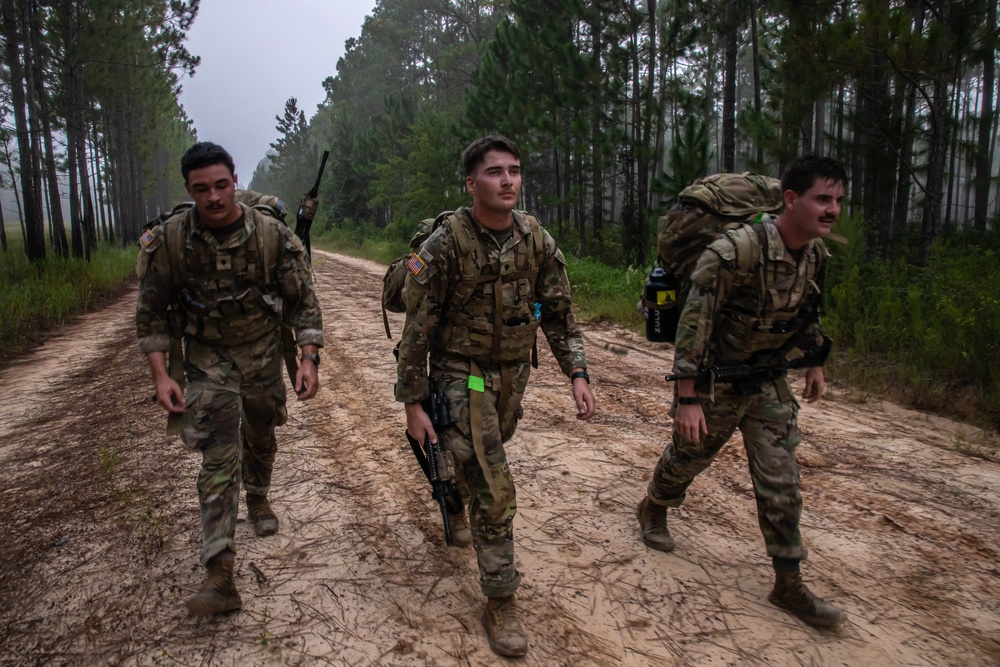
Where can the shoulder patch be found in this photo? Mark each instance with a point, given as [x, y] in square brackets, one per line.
[415, 265]
[151, 239]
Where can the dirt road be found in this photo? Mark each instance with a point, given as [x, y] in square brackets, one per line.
[101, 535]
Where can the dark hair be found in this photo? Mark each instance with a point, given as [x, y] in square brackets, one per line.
[473, 156]
[205, 154]
[802, 173]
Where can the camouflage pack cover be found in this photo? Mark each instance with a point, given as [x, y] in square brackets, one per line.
[708, 207]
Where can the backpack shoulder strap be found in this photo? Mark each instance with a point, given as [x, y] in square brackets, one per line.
[176, 229]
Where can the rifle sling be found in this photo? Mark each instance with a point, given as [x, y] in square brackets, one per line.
[476, 425]
[175, 366]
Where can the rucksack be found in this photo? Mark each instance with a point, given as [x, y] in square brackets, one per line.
[706, 209]
[395, 276]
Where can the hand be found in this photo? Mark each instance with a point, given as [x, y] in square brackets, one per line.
[689, 422]
[418, 424]
[815, 384]
[169, 395]
[306, 381]
[584, 398]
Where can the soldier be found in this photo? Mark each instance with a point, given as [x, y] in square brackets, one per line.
[479, 331]
[220, 274]
[732, 316]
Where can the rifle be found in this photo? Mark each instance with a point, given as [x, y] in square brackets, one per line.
[438, 466]
[307, 209]
[747, 377]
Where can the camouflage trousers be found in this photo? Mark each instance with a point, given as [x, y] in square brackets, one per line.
[491, 519]
[232, 424]
[770, 435]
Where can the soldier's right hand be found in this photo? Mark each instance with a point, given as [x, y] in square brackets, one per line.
[418, 424]
[689, 422]
[169, 395]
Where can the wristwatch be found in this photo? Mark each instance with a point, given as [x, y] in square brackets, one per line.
[580, 374]
[688, 400]
[310, 356]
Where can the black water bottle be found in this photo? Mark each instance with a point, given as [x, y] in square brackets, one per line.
[660, 307]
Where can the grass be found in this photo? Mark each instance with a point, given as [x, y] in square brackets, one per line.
[35, 298]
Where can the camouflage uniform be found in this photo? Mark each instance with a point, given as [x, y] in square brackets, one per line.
[229, 306]
[432, 317]
[733, 314]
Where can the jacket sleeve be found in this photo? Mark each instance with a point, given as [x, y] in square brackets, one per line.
[557, 320]
[295, 279]
[425, 295]
[152, 327]
[711, 284]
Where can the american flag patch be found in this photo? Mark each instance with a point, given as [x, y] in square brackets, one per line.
[146, 238]
[415, 265]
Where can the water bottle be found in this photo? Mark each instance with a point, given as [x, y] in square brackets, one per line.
[660, 306]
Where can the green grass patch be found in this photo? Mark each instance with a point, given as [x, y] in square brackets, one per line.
[602, 292]
[381, 248]
[35, 298]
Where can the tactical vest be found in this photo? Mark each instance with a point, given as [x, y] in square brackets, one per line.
[226, 296]
[478, 323]
[776, 316]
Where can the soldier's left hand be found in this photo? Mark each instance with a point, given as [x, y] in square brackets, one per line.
[815, 384]
[306, 381]
[584, 398]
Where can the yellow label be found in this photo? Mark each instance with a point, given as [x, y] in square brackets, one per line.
[666, 297]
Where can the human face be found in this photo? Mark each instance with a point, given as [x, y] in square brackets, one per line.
[213, 189]
[812, 214]
[495, 186]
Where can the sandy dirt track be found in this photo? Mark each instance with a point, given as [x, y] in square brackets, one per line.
[101, 535]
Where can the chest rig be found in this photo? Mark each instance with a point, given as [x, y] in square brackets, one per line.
[225, 292]
[772, 297]
[492, 316]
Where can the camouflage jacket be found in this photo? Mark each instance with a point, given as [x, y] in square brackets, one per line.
[224, 297]
[738, 308]
[431, 310]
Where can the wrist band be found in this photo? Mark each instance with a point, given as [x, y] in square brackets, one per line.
[688, 400]
[580, 374]
[310, 356]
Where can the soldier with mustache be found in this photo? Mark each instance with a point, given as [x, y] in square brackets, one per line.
[476, 293]
[222, 275]
[751, 291]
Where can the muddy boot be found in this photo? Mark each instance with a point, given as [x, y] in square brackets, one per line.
[461, 534]
[218, 594]
[792, 595]
[653, 524]
[263, 518]
[503, 629]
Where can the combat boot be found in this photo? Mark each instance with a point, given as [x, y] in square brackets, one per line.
[792, 595]
[653, 524]
[263, 518]
[503, 630]
[218, 594]
[461, 533]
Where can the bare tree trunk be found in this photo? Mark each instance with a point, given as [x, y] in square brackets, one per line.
[938, 142]
[984, 148]
[756, 78]
[56, 222]
[34, 240]
[729, 89]
[9, 161]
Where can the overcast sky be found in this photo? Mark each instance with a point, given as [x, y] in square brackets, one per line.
[255, 54]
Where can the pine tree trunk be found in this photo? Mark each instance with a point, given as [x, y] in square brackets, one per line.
[729, 90]
[34, 239]
[984, 148]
